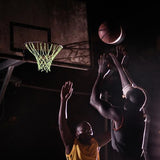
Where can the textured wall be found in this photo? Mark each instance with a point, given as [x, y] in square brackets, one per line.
[67, 21]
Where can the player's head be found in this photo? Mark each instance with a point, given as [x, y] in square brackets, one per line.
[136, 96]
[84, 132]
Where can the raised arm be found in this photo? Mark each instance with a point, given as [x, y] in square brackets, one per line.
[95, 98]
[135, 94]
[98, 99]
[101, 103]
[65, 132]
[130, 90]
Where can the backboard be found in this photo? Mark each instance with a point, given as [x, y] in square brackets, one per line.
[63, 22]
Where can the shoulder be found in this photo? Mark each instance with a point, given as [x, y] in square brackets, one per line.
[94, 140]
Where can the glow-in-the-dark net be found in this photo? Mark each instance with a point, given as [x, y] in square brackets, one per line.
[44, 53]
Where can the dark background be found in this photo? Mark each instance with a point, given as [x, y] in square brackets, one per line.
[29, 127]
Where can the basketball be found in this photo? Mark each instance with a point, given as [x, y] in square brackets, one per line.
[110, 33]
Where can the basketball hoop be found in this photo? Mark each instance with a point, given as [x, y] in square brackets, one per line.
[44, 53]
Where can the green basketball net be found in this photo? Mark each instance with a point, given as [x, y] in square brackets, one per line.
[44, 53]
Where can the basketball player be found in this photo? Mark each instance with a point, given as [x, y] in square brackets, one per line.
[81, 145]
[125, 114]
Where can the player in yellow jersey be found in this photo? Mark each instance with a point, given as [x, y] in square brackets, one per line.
[82, 145]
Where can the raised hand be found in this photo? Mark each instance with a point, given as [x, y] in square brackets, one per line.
[102, 62]
[66, 90]
[121, 55]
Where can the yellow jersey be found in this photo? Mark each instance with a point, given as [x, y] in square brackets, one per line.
[84, 152]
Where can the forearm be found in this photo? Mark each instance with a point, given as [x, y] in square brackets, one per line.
[124, 77]
[95, 94]
[62, 118]
[64, 129]
[122, 73]
[102, 107]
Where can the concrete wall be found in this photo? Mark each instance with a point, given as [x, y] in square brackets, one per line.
[67, 21]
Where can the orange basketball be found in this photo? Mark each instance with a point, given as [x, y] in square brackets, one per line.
[110, 33]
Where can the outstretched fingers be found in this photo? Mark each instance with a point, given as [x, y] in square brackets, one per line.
[102, 62]
[67, 90]
[121, 55]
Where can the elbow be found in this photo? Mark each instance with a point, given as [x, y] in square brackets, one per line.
[60, 127]
[91, 101]
[94, 99]
[97, 106]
